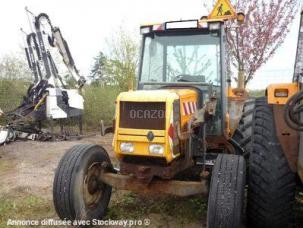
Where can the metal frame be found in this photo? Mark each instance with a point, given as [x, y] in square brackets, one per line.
[223, 78]
[172, 187]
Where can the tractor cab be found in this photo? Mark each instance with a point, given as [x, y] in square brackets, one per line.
[186, 54]
[180, 99]
[182, 52]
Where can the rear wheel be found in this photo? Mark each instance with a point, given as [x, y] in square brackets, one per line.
[226, 196]
[78, 192]
[271, 188]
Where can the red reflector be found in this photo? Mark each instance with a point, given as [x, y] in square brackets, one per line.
[171, 131]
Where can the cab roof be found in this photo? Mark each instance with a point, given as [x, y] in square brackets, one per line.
[200, 21]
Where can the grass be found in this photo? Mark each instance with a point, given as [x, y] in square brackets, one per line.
[20, 204]
[162, 211]
[165, 208]
[23, 205]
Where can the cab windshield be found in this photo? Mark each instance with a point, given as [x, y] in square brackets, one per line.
[173, 58]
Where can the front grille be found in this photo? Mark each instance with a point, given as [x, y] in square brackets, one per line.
[142, 115]
[145, 161]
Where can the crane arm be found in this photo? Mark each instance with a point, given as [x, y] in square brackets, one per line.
[32, 61]
[57, 40]
[43, 55]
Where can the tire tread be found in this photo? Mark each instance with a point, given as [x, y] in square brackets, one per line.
[271, 186]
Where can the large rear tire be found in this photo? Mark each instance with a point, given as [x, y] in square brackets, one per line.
[78, 192]
[271, 188]
[243, 132]
[226, 196]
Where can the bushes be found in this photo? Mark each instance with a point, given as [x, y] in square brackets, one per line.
[11, 93]
[99, 105]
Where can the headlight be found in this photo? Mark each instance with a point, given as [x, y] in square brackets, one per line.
[281, 93]
[127, 147]
[156, 149]
[145, 30]
[181, 24]
[214, 26]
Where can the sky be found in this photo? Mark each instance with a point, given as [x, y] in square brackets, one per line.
[86, 24]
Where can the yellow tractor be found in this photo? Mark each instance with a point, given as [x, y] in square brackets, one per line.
[177, 134]
[186, 132]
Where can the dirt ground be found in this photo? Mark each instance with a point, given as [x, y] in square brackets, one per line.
[29, 167]
[32, 164]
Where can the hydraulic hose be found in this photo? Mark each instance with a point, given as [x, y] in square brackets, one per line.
[293, 110]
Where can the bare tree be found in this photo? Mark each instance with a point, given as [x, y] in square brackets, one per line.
[264, 30]
[122, 62]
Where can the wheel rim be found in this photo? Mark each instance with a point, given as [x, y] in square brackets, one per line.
[93, 187]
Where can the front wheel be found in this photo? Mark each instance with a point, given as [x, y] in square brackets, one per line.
[78, 192]
[226, 195]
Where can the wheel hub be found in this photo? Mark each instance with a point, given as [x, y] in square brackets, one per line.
[93, 187]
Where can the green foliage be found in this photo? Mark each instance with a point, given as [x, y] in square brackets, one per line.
[119, 67]
[15, 78]
[99, 105]
[11, 93]
[98, 71]
[123, 61]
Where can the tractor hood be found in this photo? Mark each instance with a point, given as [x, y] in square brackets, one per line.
[151, 117]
